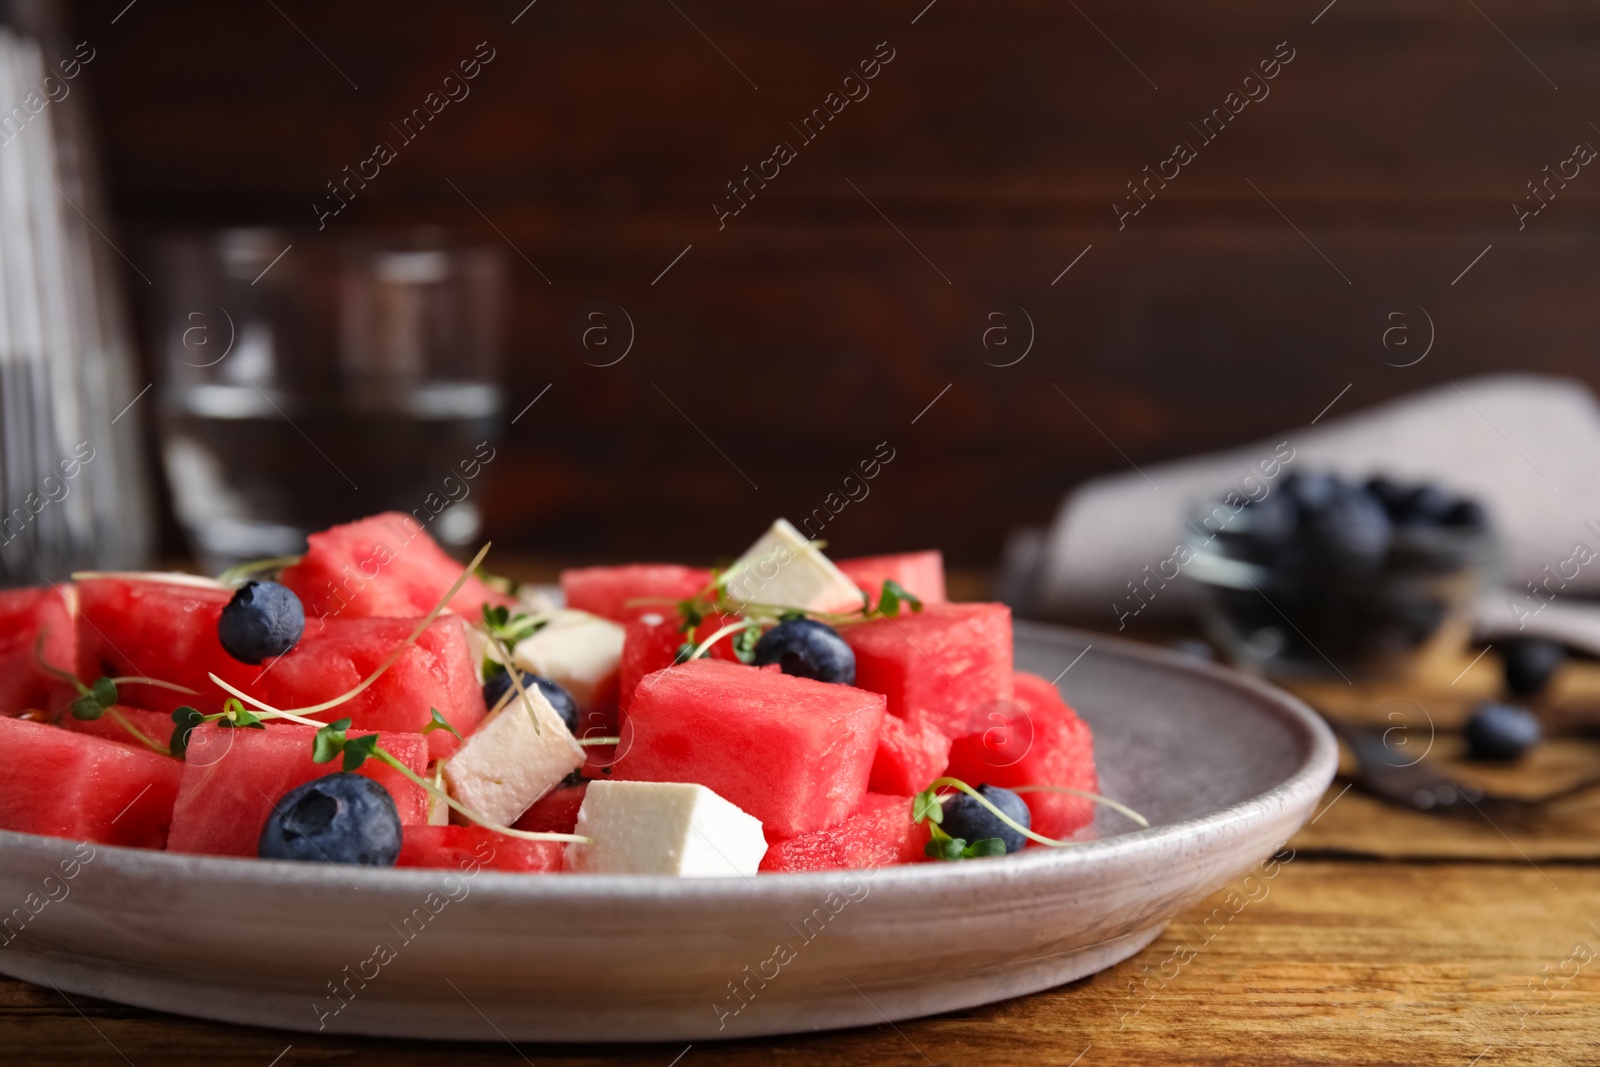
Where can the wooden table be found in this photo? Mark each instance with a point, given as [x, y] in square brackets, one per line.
[1390, 937]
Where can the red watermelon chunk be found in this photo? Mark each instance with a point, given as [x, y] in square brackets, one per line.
[435, 672]
[233, 777]
[468, 848]
[920, 573]
[879, 833]
[556, 812]
[607, 591]
[1034, 739]
[944, 663]
[24, 615]
[793, 752]
[166, 627]
[156, 725]
[651, 642]
[386, 566]
[156, 626]
[66, 784]
[911, 753]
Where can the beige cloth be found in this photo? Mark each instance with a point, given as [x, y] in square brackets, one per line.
[1527, 447]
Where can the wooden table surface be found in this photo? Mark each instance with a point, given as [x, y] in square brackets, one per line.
[1390, 937]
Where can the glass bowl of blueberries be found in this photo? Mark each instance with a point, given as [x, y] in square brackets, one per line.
[1327, 577]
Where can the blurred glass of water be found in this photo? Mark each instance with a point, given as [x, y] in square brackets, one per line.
[307, 383]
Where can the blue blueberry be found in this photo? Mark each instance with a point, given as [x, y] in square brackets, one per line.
[1355, 527]
[1501, 732]
[1272, 519]
[1389, 493]
[807, 648]
[561, 700]
[1312, 490]
[965, 818]
[1530, 663]
[1467, 513]
[338, 818]
[263, 619]
[1426, 505]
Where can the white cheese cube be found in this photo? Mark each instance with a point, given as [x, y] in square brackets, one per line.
[579, 652]
[664, 828]
[505, 764]
[785, 569]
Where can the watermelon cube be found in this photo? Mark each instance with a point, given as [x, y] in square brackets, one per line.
[66, 784]
[156, 626]
[24, 615]
[624, 593]
[165, 626]
[386, 566]
[156, 725]
[468, 848]
[1034, 739]
[944, 663]
[556, 812]
[911, 753]
[920, 573]
[793, 752]
[336, 655]
[879, 833]
[651, 643]
[232, 778]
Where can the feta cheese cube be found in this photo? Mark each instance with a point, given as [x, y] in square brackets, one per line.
[784, 568]
[579, 652]
[664, 828]
[505, 764]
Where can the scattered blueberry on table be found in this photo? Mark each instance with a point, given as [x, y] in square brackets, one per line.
[1530, 663]
[1501, 733]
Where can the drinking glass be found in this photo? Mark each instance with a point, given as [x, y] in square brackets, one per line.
[307, 381]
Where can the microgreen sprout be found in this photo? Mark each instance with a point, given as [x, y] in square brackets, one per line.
[272, 565]
[440, 723]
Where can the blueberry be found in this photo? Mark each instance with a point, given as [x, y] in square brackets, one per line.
[1530, 662]
[1426, 505]
[1312, 490]
[338, 818]
[1354, 527]
[1389, 493]
[263, 619]
[1271, 520]
[965, 818]
[1468, 513]
[559, 698]
[806, 648]
[1501, 732]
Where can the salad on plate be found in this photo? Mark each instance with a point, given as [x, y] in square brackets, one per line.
[372, 702]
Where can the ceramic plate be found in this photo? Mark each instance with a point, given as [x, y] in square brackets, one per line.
[1225, 768]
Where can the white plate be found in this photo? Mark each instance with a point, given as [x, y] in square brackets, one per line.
[1226, 768]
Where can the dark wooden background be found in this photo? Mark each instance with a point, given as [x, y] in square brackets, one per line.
[809, 330]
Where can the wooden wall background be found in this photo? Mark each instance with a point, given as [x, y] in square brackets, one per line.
[808, 330]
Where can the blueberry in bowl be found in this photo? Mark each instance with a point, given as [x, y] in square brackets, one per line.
[1320, 575]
